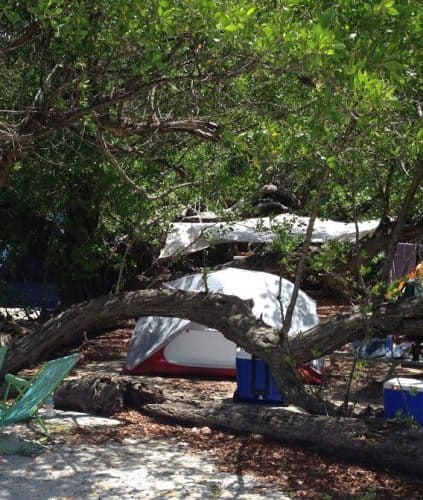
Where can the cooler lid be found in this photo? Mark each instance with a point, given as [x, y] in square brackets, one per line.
[242, 354]
[403, 383]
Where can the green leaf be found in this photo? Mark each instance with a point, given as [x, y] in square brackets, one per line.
[232, 27]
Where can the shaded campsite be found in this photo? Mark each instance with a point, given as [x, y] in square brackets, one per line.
[107, 355]
[102, 384]
[146, 149]
[299, 472]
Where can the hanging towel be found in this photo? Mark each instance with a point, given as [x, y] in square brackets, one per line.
[404, 260]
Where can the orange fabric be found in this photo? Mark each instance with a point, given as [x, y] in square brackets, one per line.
[417, 272]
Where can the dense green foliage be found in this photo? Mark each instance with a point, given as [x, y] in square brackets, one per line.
[197, 101]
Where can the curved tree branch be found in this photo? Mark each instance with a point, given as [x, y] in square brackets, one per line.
[200, 127]
[20, 41]
[128, 181]
[228, 314]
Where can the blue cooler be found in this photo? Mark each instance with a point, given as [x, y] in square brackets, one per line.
[255, 383]
[403, 397]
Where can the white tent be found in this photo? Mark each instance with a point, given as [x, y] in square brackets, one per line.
[191, 237]
[161, 343]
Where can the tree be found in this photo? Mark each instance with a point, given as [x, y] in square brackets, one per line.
[207, 98]
[106, 98]
[230, 315]
[116, 115]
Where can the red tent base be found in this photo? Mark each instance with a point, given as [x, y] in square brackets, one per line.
[309, 375]
[157, 364]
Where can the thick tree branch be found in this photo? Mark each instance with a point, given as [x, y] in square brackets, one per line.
[128, 181]
[17, 43]
[387, 444]
[228, 314]
[403, 317]
[200, 127]
[55, 118]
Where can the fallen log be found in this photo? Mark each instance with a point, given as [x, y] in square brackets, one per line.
[375, 442]
[105, 394]
[230, 315]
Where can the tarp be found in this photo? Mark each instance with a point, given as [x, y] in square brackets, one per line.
[376, 347]
[186, 238]
[153, 332]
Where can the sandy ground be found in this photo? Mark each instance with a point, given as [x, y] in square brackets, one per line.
[131, 469]
[149, 459]
[128, 470]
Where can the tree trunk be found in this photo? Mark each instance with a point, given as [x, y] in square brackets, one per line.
[105, 394]
[402, 317]
[381, 442]
[228, 314]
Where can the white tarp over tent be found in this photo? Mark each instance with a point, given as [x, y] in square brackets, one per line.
[153, 332]
[191, 237]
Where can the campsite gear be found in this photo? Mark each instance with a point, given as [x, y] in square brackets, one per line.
[33, 393]
[374, 347]
[177, 346]
[413, 288]
[309, 374]
[255, 383]
[403, 397]
[381, 348]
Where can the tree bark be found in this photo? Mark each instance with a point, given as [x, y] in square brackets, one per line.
[381, 442]
[105, 394]
[402, 317]
[200, 127]
[228, 314]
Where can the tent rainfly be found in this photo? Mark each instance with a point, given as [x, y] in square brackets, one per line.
[178, 346]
